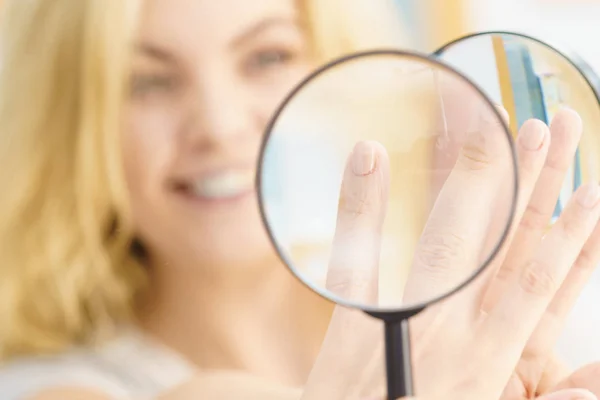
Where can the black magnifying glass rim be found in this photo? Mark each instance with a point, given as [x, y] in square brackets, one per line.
[585, 70]
[382, 312]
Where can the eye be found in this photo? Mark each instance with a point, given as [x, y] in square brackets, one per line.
[263, 61]
[143, 85]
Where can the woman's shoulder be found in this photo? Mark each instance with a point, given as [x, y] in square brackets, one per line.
[131, 365]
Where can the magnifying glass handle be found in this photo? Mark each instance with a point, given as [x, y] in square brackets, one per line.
[398, 359]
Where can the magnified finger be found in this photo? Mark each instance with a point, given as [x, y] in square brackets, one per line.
[353, 268]
[451, 246]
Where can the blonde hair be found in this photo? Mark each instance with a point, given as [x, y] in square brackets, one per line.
[67, 274]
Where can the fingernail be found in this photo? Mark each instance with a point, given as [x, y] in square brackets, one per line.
[503, 112]
[532, 139]
[486, 118]
[589, 195]
[363, 159]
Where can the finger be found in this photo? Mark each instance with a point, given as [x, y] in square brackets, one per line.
[569, 394]
[456, 229]
[586, 377]
[547, 332]
[353, 266]
[339, 370]
[512, 321]
[532, 148]
[555, 372]
[384, 398]
[352, 275]
[565, 133]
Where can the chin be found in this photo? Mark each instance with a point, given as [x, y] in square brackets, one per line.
[242, 245]
[229, 235]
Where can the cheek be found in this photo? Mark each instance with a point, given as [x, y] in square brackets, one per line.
[274, 91]
[149, 145]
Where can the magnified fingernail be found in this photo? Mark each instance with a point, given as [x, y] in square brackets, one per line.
[363, 159]
[589, 195]
[503, 112]
[533, 138]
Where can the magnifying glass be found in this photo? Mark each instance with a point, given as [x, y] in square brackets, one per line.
[387, 181]
[533, 79]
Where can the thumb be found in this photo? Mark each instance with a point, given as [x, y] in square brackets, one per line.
[352, 339]
[569, 394]
[586, 377]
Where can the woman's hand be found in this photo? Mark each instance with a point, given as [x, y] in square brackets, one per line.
[495, 338]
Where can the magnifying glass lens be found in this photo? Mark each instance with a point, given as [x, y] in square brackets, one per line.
[387, 181]
[531, 79]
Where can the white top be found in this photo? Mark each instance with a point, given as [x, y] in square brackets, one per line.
[135, 367]
[130, 367]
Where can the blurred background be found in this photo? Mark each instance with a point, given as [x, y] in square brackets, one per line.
[573, 23]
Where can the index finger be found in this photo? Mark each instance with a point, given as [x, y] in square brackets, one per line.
[353, 267]
[353, 276]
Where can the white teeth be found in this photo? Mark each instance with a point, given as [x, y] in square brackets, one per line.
[224, 185]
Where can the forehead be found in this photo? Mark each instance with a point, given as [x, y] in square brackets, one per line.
[215, 20]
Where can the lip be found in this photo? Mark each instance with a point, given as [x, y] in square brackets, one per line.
[194, 198]
[182, 183]
[192, 174]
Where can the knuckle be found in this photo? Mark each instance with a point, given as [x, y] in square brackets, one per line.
[557, 164]
[505, 272]
[572, 228]
[440, 251]
[474, 157]
[586, 260]
[483, 148]
[346, 283]
[537, 279]
[358, 205]
[534, 219]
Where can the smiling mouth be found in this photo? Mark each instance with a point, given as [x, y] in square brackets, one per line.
[221, 186]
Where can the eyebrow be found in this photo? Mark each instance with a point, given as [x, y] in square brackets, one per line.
[165, 56]
[155, 52]
[262, 26]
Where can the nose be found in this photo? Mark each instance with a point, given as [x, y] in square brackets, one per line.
[220, 112]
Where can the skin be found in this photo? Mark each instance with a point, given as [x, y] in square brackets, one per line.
[206, 78]
[495, 337]
[205, 82]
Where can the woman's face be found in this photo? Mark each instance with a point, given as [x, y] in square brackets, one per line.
[206, 78]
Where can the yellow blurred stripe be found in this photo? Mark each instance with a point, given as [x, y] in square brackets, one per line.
[506, 90]
[449, 20]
